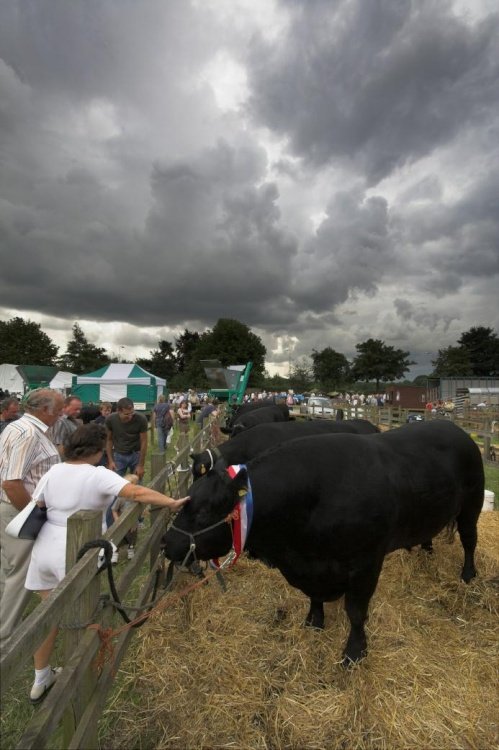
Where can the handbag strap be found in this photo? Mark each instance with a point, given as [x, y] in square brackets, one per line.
[40, 486]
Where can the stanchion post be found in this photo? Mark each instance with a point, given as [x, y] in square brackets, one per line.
[83, 526]
[184, 473]
[157, 463]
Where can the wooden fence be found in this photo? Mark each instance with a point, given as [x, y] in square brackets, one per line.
[484, 425]
[76, 701]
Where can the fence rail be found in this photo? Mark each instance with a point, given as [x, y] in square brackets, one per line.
[484, 425]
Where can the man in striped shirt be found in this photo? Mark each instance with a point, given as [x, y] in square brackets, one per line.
[26, 454]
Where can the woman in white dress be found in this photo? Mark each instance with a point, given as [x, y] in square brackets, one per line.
[76, 484]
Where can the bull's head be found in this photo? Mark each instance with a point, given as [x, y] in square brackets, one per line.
[203, 462]
[205, 520]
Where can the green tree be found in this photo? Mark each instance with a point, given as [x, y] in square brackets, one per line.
[232, 343]
[331, 369]
[380, 362]
[22, 342]
[301, 376]
[452, 362]
[81, 356]
[276, 382]
[162, 361]
[185, 346]
[482, 346]
[420, 380]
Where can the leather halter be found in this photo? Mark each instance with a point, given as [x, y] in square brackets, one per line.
[193, 534]
[214, 455]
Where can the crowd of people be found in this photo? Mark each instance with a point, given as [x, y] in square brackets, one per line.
[53, 450]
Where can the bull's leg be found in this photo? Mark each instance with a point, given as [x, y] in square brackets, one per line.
[315, 617]
[468, 536]
[357, 597]
[428, 546]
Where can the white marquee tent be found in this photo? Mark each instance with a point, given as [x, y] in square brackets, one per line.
[11, 380]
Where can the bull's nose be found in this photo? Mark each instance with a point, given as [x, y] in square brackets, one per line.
[170, 549]
[165, 545]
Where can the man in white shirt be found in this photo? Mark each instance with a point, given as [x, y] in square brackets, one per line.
[26, 453]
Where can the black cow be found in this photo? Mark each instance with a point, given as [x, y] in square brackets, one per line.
[328, 508]
[250, 443]
[240, 409]
[274, 413]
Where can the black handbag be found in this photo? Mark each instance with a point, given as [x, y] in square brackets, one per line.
[28, 522]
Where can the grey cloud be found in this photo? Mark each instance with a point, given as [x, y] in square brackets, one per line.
[377, 84]
[211, 245]
[421, 316]
[93, 49]
[456, 240]
[350, 251]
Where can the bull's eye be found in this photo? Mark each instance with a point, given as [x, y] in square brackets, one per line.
[202, 470]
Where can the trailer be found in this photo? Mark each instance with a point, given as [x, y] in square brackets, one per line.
[228, 383]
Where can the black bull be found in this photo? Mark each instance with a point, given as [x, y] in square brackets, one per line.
[263, 415]
[328, 508]
[250, 443]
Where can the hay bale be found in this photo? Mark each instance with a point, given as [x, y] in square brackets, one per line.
[238, 669]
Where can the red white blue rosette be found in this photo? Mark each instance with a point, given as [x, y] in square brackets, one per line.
[241, 519]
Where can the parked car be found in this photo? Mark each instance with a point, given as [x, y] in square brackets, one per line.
[415, 418]
[320, 406]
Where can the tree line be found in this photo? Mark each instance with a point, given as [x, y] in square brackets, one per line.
[476, 354]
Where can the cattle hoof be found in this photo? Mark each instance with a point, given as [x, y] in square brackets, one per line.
[468, 575]
[350, 661]
[310, 623]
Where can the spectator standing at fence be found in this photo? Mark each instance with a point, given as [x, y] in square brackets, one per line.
[77, 484]
[183, 417]
[9, 412]
[66, 424]
[208, 408]
[126, 444]
[26, 454]
[162, 414]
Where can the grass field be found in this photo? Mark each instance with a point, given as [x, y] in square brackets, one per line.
[492, 481]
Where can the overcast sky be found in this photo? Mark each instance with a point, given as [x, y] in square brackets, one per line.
[324, 171]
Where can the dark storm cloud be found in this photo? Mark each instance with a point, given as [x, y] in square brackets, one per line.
[211, 243]
[420, 315]
[349, 252]
[128, 195]
[456, 240]
[378, 83]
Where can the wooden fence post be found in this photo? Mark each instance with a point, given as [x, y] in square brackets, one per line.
[184, 473]
[158, 461]
[83, 526]
[487, 437]
[390, 417]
